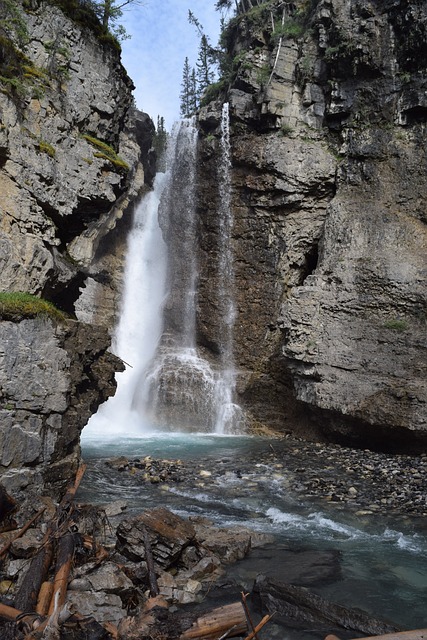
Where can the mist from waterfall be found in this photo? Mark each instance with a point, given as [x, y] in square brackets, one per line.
[169, 383]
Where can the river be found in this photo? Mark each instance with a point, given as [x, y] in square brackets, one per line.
[382, 565]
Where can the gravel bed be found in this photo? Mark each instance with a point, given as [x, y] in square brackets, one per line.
[364, 480]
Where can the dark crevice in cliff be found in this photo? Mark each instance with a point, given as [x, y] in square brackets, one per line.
[65, 298]
[415, 115]
[68, 227]
[350, 432]
[311, 261]
[3, 156]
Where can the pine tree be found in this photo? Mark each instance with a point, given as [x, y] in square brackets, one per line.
[110, 11]
[188, 94]
[160, 142]
[194, 97]
[204, 64]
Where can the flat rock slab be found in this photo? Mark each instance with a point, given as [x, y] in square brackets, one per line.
[302, 567]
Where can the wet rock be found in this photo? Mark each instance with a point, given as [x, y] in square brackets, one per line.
[169, 535]
[297, 607]
[228, 544]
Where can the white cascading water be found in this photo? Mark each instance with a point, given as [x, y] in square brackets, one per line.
[229, 417]
[180, 384]
[167, 384]
[140, 325]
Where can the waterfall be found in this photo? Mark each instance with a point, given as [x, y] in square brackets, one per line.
[140, 324]
[229, 415]
[180, 383]
[170, 384]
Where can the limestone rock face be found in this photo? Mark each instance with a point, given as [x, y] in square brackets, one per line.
[74, 155]
[52, 378]
[70, 155]
[328, 193]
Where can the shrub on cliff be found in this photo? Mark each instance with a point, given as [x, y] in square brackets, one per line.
[17, 305]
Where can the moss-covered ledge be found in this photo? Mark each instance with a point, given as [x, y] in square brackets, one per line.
[17, 305]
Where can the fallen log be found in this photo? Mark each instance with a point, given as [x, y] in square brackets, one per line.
[64, 561]
[298, 606]
[230, 620]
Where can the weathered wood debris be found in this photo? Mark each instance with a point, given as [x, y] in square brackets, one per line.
[66, 576]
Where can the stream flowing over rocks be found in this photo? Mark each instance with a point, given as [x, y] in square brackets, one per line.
[363, 481]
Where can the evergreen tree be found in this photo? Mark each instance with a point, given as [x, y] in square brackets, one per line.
[188, 94]
[110, 11]
[160, 142]
[204, 64]
[194, 98]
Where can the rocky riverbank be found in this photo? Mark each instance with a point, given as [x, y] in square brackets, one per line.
[363, 481]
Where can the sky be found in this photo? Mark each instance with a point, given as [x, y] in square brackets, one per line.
[161, 38]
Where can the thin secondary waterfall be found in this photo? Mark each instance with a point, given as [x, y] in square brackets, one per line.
[229, 416]
[170, 384]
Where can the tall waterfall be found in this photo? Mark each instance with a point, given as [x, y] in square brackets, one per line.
[141, 320]
[169, 383]
[229, 416]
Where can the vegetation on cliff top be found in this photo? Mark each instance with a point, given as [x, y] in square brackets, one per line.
[254, 22]
[102, 16]
[16, 306]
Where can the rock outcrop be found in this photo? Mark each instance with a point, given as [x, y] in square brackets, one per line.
[53, 376]
[74, 155]
[328, 145]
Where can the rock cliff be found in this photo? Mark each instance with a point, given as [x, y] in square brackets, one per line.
[74, 154]
[328, 137]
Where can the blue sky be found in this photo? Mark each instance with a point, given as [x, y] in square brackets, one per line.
[161, 39]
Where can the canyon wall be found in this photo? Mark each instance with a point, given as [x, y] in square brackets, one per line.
[74, 154]
[328, 136]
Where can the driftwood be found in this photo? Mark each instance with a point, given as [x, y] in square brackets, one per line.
[72, 489]
[34, 626]
[298, 606]
[259, 626]
[44, 598]
[64, 561]
[229, 620]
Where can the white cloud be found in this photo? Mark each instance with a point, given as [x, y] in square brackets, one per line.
[154, 56]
